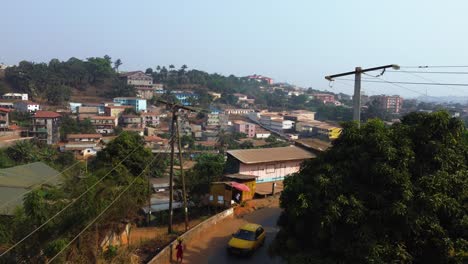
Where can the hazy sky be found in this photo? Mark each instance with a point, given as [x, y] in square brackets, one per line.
[294, 41]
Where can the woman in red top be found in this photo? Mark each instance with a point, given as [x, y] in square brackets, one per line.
[180, 251]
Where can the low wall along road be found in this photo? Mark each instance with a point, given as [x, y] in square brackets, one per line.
[167, 255]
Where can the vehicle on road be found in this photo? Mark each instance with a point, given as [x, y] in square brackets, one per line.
[247, 239]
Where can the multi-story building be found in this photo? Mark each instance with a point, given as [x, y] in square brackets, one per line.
[244, 127]
[138, 103]
[131, 121]
[389, 103]
[104, 124]
[281, 125]
[46, 126]
[7, 105]
[137, 78]
[268, 164]
[26, 106]
[325, 98]
[265, 118]
[150, 118]
[16, 96]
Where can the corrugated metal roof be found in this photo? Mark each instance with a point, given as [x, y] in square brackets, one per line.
[252, 156]
[16, 181]
[26, 176]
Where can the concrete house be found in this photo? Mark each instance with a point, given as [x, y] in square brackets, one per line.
[26, 106]
[270, 164]
[131, 121]
[103, 124]
[245, 127]
[46, 126]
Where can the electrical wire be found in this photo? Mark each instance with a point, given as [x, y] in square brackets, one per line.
[39, 184]
[395, 84]
[429, 72]
[68, 205]
[432, 81]
[105, 209]
[432, 66]
[413, 83]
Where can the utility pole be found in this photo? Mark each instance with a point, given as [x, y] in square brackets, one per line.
[175, 125]
[182, 176]
[358, 71]
[171, 170]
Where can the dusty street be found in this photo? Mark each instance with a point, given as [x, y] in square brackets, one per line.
[211, 248]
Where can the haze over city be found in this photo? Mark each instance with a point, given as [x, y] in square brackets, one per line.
[298, 42]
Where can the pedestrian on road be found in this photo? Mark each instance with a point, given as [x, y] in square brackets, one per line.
[180, 251]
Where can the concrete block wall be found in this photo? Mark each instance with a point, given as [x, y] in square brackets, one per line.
[168, 253]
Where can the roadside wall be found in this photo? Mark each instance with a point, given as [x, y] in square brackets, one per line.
[168, 253]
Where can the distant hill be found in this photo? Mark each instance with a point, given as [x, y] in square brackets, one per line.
[444, 99]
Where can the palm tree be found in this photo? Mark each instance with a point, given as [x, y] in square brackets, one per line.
[117, 64]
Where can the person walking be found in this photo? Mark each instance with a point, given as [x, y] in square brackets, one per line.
[180, 251]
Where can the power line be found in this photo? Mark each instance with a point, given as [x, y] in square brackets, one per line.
[41, 183]
[436, 66]
[413, 83]
[430, 72]
[68, 205]
[105, 209]
[395, 84]
[430, 80]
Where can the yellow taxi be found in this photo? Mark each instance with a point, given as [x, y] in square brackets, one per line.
[248, 238]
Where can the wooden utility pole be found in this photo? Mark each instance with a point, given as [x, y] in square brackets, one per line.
[171, 170]
[175, 126]
[357, 86]
[182, 176]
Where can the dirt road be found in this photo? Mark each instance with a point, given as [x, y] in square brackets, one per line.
[211, 248]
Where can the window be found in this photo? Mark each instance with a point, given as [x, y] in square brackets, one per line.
[259, 232]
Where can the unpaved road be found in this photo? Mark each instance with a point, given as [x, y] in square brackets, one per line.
[211, 247]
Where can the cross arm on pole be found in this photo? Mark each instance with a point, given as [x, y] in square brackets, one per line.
[331, 77]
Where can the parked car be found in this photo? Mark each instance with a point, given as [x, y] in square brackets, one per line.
[247, 239]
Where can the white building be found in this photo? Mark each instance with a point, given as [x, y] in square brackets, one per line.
[16, 96]
[26, 106]
[280, 125]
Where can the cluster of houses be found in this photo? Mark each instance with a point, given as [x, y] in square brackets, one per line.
[294, 124]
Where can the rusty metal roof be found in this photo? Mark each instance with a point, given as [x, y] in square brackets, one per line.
[252, 156]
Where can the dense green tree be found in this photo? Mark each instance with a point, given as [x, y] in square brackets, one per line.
[58, 94]
[381, 195]
[209, 168]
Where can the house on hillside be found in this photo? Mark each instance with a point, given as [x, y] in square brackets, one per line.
[131, 121]
[16, 96]
[46, 126]
[16, 181]
[268, 164]
[245, 127]
[143, 84]
[104, 124]
[26, 106]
